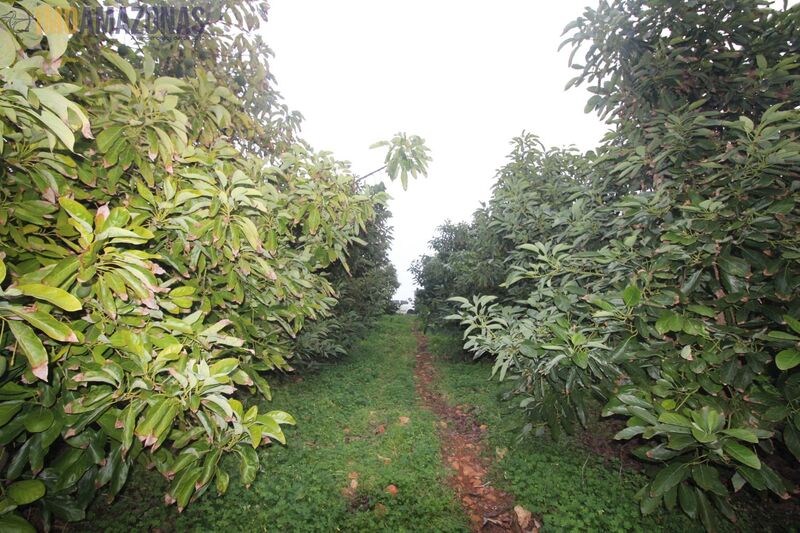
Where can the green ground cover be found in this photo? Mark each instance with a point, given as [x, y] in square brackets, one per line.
[359, 420]
[348, 418]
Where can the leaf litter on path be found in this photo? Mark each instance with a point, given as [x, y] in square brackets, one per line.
[489, 508]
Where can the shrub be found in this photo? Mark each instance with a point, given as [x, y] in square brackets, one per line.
[363, 291]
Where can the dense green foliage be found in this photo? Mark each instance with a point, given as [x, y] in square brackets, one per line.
[465, 261]
[363, 291]
[165, 236]
[573, 483]
[566, 484]
[349, 429]
[660, 273]
[167, 240]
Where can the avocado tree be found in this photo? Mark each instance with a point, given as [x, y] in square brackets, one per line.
[165, 236]
[659, 273]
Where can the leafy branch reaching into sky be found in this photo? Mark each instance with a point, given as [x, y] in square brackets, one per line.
[407, 155]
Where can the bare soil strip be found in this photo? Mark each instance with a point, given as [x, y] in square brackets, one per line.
[490, 509]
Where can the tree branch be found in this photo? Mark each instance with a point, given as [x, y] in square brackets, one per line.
[362, 178]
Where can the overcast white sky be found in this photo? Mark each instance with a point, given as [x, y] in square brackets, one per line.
[465, 75]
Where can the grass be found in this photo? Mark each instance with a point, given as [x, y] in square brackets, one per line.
[349, 427]
[341, 412]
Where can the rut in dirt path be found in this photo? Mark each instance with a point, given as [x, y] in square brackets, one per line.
[489, 508]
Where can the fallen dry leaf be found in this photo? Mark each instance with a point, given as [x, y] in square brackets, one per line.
[380, 429]
[501, 453]
[352, 475]
[353, 484]
[380, 510]
[502, 524]
[385, 460]
[404, 420]
[523, 516]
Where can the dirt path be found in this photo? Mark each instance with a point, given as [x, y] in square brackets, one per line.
[490, 509]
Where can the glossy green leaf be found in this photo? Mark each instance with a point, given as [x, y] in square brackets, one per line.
[742, 434]
[12, 523]
[632, 295]
[667, 478]
[687, 500]
[48, 325]
[787, 359]
[792, 323]
[8, 49]
[38, 420]
[8, 410]
[249, 464]
[78, 212]
[26, 491]
[743, 454]
[121, 64]
[707, 478]
[32, 347]
[55, 296]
